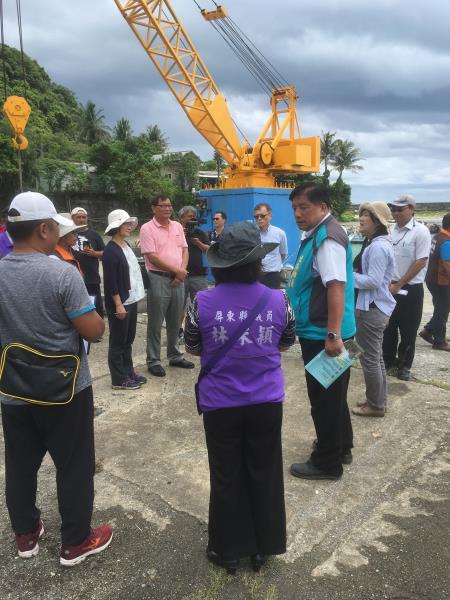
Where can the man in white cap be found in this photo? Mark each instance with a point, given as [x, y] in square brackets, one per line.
[45, 305]
[89, 249]
[411, 241]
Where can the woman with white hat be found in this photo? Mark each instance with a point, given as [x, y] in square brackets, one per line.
[67, 239]
[374, 269]
[123, 289]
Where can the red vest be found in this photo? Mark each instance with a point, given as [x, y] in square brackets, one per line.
[436, 273]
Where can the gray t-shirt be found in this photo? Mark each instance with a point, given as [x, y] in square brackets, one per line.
[38, 298]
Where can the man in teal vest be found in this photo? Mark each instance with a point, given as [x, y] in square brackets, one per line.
[321, 293]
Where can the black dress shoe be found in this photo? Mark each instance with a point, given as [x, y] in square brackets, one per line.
[308, 471]
[347, 457]
[258, 560]
[182, 364]
[229, 564]
[156, 370]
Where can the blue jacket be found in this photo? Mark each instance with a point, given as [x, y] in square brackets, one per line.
[307, 293]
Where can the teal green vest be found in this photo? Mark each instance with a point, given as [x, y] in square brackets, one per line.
[307, 293]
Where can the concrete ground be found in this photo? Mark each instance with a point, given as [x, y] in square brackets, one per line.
[380, 532]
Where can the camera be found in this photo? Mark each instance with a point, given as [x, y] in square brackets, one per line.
[192, 226]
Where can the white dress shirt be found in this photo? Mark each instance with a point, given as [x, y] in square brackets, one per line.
[411, 242]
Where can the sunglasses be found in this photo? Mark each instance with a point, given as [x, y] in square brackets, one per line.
[258, 217]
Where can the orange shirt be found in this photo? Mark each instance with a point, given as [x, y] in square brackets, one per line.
[167, 242]
[68, 257]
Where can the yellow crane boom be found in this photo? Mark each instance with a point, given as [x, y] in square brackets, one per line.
[169, 47]
[280, 149]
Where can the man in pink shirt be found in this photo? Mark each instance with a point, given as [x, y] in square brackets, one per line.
[165, 252]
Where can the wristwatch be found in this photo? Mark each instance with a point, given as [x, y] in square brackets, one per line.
[333, 336]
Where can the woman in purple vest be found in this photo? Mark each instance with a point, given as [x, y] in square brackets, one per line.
[239, 328]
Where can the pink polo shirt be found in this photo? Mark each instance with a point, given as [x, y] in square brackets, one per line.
[167, 242]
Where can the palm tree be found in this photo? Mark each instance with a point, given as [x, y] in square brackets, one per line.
[122, 130]
[219, 164]
[327, 144]
[155, 134]
[92, 124]
[345, 157]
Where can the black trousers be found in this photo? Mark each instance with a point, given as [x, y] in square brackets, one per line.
[404, 320]
[121, 337]
[246, 507]
[94, 290]
[437, 325]
[271, 280]
[67, 434]
[330, 414]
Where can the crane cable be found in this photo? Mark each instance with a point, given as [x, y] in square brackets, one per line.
[258, 65]
[3, 50]
[22, 60]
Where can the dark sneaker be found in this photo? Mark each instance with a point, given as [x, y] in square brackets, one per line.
[404, 374]
[97, 540]
[128, 384]
[308, 471]
[28, 543]
[156, 370]
[426, 335]
[138, 378]
[182, 364]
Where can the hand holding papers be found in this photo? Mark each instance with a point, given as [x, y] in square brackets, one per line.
[326, 369]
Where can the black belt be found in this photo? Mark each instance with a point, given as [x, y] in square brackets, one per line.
[161, 273]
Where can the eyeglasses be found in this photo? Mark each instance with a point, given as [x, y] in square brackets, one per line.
[398, 208]
[261, 216]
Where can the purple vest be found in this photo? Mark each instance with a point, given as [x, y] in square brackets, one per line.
[6, 245]
[250, 372]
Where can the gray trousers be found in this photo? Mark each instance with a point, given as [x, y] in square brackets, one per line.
[370, 325]
[163, 302]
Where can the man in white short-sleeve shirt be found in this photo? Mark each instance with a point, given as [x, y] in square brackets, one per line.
[412, 242]
[272, 263]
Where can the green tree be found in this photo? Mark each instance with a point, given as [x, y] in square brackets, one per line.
[122, 130]
[327, 146]
[340, 195]
[154, 134]
[346, 157]
[92, 124]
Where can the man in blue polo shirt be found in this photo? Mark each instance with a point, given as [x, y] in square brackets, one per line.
[321, 293]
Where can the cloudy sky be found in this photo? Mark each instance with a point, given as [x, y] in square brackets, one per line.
[377, 73]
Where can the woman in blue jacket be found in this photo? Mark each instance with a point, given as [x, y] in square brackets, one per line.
[374, 270]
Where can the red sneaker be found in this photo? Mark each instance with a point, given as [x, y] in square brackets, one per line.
[28, 543]
[97, 540]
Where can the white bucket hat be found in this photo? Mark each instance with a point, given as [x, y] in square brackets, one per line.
[118, 217]
[68, 226]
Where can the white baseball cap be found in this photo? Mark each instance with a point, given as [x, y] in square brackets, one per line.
[77, 210]
[33, 206]
[405, 200]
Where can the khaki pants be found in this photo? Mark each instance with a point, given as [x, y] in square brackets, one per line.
[163, 302]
